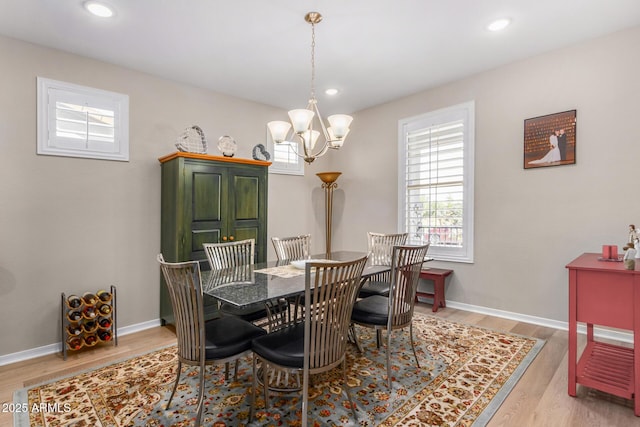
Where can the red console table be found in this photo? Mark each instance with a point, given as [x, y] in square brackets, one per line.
[604, 293]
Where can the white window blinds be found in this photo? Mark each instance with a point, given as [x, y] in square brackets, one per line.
[435, 181]
[79, 121]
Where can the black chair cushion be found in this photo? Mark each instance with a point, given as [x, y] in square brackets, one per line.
[373, 310]
[374, 287]
[250, 313]
[284, 347]
[228, 336]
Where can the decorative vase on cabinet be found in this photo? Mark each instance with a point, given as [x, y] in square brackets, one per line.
[209, 199]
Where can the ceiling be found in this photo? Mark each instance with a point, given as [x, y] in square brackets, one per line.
[373, 51]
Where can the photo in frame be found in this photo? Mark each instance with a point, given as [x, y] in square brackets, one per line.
[550, 140]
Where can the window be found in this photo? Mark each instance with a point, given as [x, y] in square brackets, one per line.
[284, 159]
[436, 181]
[79, 121]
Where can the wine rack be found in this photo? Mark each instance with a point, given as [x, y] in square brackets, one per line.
[88, 320]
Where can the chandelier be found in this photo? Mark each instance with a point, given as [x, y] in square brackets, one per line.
[302, 119]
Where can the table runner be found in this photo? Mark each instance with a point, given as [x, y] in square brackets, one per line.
[285, 271]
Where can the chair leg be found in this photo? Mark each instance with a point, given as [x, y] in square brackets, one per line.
[226, 371]
[265, 383]
[352, 332]
[412, 345]
[378, 337]
[175, 385]
[235, 371]
[347, 389]
[305, 397]
[200, 396]
[253, 389]
[388, 359]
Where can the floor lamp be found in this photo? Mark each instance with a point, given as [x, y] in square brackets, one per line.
[328, 184]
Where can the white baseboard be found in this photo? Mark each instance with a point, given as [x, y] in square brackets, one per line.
[550, 323]
[56, 347]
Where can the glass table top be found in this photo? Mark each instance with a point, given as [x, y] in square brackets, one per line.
[261, 282]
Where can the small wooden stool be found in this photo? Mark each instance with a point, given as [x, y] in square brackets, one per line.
[438, 276]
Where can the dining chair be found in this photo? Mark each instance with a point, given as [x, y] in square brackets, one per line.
[227, 255]
[319, 342]
[380, 247]
[396, 310]
[201, 343]
[292, 248]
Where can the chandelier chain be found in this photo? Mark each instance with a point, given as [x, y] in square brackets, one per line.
[313, 61]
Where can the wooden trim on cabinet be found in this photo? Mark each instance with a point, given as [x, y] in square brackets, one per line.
[216, 158]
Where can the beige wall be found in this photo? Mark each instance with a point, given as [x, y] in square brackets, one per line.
[528, 223]
[75, 225]
[71, 225]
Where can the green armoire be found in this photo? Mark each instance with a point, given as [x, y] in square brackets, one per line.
[210, 199]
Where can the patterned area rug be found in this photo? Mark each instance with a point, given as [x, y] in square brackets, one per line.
[466, 372]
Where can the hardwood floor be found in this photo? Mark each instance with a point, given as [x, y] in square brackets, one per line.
[539, 399]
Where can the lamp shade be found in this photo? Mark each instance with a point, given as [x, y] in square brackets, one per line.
[301, 119]
[339, 124]
[333, 141]
[279, 130]
[310, 138]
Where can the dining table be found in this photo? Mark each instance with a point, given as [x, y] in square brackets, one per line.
[271, 283]
[268, 281]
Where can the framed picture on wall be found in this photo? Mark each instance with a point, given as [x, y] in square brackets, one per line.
[550, 140]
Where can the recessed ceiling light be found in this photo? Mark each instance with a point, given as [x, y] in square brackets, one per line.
[499, 24]
[331, 91]
[98, 9]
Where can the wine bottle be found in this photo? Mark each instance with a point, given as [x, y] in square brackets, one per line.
[89, 326]
[89, 298]
[74, 301]
[89, 312]
[104, 335]
[104, 296]
[90, 339]
[104, 322]
[74, 329]
[74, 315]
[105, 309]
[74, 343]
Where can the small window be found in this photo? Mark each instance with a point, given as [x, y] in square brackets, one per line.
[436, 181]
[284, 159]
[79, 121]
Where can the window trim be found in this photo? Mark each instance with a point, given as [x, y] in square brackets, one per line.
[465, 110]
[46, 110]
